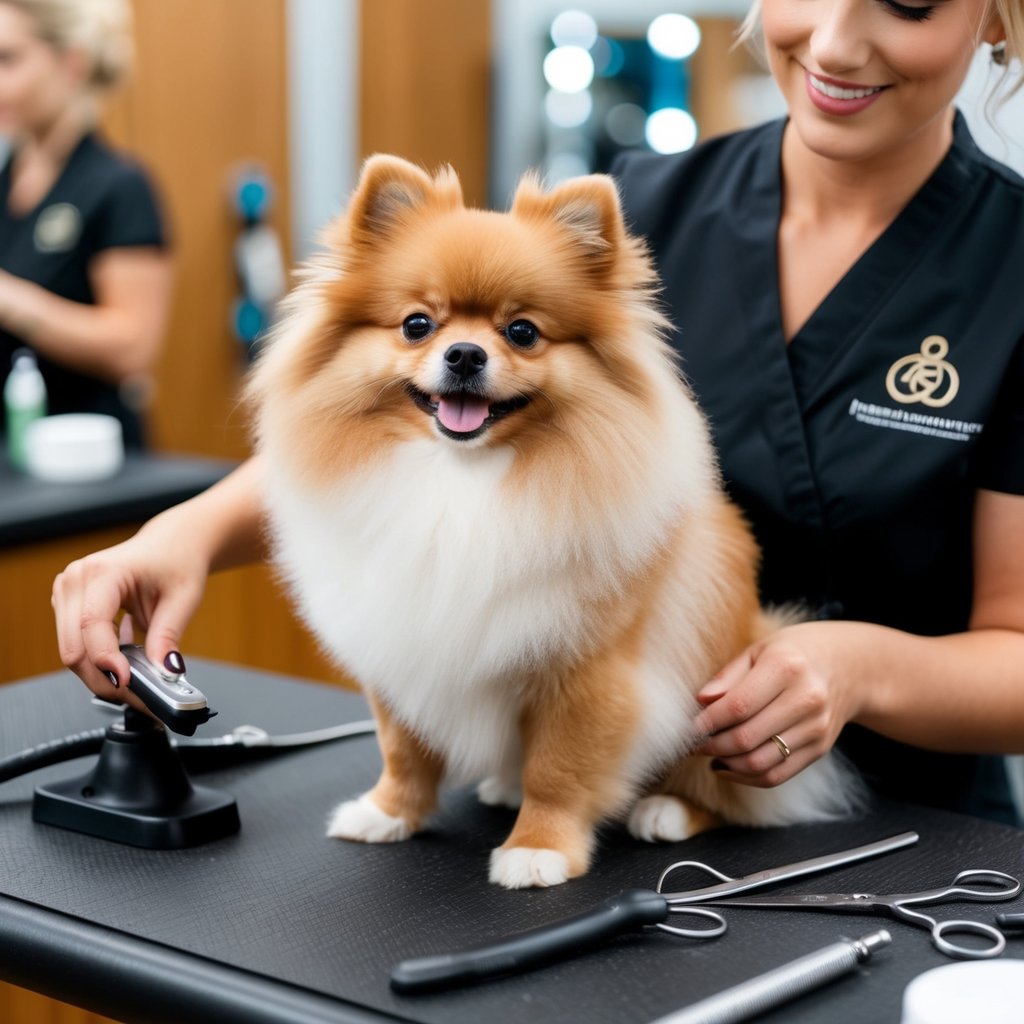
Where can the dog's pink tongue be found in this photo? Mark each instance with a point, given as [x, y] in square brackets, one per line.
[462, 413]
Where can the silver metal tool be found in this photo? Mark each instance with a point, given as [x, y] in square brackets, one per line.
[765, 992]
[169, 695]
[964, 887]
[626, 912]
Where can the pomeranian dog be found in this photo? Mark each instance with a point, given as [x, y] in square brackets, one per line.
[497, 506]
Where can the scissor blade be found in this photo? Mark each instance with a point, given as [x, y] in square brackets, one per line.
[769, 876]
[806, 901]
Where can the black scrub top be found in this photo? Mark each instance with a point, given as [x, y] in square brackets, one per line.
[856, 449]
[101, 200]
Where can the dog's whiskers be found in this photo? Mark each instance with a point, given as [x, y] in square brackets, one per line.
[356, 400]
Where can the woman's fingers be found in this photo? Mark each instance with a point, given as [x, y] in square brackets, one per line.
[778, 768]
[770, 718]
[86, 635]
[167, 624]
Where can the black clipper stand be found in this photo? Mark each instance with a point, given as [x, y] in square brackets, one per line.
[138, 794]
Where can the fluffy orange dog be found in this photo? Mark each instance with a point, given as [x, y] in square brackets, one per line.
[497, 506]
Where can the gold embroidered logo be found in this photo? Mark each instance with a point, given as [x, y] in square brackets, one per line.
[924, 377]
[58, 228]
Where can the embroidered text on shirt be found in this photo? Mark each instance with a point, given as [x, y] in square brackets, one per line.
[914, 422]
[926, 377]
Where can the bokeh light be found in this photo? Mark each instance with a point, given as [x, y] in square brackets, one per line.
[574, 28]
[674, 36]
[568, 109]
[626, 124]
[569, 69]
[670, 130]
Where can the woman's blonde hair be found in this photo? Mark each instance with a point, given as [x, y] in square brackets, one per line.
[101, 29]
[1011, 13]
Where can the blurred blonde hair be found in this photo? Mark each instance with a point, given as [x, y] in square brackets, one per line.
[1011, 13]
[102, 29]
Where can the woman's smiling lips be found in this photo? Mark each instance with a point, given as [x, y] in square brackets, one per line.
[834, 97]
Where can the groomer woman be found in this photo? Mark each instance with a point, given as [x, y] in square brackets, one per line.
[846, 286]
[85, 276]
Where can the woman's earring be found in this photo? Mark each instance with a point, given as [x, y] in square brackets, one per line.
[999, 53]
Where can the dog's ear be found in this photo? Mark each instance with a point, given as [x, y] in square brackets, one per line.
[391, 188]
[588, 207]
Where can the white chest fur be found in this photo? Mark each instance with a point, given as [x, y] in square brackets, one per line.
[438, 589]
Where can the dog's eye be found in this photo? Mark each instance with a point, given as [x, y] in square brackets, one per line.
[417, 326]
[522, 334]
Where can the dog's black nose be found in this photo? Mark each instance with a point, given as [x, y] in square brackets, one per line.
[465, 359]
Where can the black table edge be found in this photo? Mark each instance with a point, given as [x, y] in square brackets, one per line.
[141, 982]
[187, 476]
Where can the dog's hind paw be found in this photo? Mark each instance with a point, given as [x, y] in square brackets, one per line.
[362, 820]
[661, 818]
[521, 867]
[497, 792]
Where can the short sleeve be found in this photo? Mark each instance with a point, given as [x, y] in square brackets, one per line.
[1000, 465]
[130, 213]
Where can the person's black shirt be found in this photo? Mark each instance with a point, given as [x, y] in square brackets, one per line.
[855, 450]
[100, 201]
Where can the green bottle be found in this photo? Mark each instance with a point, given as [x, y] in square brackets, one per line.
[24, 403]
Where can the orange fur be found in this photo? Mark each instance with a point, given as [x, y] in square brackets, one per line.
[408, 784]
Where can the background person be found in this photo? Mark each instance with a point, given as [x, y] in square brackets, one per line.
[85, 276]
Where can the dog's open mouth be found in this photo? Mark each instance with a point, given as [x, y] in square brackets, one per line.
[463, 415]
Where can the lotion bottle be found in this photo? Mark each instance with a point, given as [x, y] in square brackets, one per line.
[24, 403]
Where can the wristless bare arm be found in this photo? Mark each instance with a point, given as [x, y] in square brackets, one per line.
[117, 338]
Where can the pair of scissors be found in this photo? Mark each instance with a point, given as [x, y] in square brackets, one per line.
[995, 886]
[618, 915]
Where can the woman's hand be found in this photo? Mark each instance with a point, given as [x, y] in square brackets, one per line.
[157, 577]
[793, 691]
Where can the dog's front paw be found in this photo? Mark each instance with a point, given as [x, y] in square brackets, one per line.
[661, 818]
[363, 821]
[521, 867]
[497, 792]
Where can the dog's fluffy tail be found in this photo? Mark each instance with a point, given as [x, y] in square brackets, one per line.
[830, 789]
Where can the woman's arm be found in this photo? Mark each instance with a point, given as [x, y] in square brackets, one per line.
[157, 576]
[117, 338]
[963, 692]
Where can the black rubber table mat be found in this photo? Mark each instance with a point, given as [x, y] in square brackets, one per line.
[282, 904]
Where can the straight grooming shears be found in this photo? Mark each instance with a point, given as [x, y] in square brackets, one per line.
[1004, 887]
[618, 915]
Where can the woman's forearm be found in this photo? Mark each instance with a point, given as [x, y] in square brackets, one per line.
[225, 522]
[111, 342]
[963, 692]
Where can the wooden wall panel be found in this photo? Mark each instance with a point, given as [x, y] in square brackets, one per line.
[425, 84]
[715, 67]
[210, 94]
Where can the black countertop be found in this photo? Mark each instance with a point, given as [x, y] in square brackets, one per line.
[280, 924]
[36, 510]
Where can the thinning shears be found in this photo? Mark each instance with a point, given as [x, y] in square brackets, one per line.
[1000, 886]
[627, 912]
